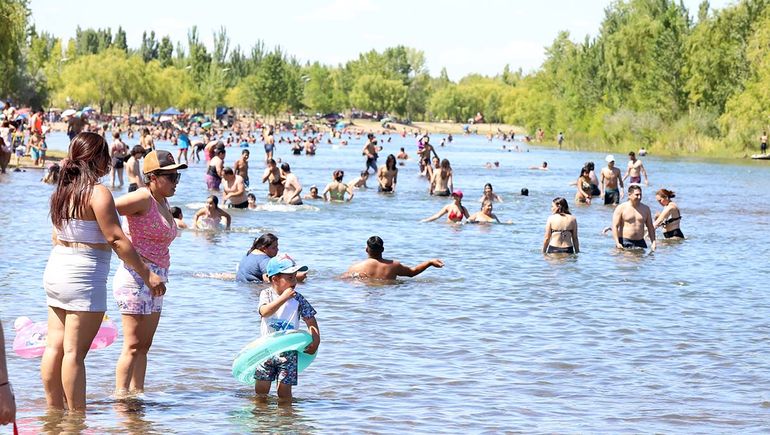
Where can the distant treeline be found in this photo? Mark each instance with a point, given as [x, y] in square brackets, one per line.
[653, 77]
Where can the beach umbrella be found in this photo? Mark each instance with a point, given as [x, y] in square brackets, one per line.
[69, 112]
[171, 111]
[88, 109]
[22, 116]
[206, 124]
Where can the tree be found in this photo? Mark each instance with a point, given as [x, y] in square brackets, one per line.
[165, 51]
[149, 48]
[120, 41]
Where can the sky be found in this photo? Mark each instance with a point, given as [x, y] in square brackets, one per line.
[465, 37]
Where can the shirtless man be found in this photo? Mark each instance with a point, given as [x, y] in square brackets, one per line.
[146, 140]
[133, 170]
[241, 167]
[425, 152]
[272, 175]
[402, 155]
[387, 175]
[291, 186]
[269, 140]
[376, 267]
[763, 143]
[610, 178]
[629, 221]
[635, 170]
[234, 189]
[370, 151]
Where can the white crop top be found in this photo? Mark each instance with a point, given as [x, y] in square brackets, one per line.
[80, 231]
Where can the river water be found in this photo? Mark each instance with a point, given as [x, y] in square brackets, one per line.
[502, 339]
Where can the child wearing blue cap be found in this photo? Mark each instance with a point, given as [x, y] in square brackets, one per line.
[281, 308]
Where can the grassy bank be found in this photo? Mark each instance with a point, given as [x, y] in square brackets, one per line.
[26, 162]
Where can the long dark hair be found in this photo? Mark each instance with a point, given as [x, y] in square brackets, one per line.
[390, 163]
[88, 161]
[561, 205]
[263, 242]
[338, 174]
[446, 168]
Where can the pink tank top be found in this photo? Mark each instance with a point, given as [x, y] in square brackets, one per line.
[151, 234]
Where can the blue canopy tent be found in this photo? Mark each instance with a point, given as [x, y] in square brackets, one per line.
[171, 111]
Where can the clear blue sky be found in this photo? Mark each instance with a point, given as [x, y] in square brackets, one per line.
[464, 36]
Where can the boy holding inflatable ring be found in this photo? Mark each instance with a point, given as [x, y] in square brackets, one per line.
[281, 308]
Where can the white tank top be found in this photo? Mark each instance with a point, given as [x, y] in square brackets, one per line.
[80, 231]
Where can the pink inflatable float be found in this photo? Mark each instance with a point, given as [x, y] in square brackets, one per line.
[30, 336]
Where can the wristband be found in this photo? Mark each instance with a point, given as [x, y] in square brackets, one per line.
[5, 383]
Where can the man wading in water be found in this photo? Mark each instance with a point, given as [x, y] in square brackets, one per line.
[376, 267]
[629, 221]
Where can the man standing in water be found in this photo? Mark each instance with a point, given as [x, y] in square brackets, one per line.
[134, 170]
[610, 178]
[234, 189]
[376, 267]
[241, 167]
[370, 151]
[629, 221]
[636, 170]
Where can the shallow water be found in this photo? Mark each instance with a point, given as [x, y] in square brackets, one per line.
[500, 339]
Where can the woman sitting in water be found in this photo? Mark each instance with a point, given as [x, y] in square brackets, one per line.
[489, 194]
[336, 190]
[441, 183]
[583, 184]
[253, 265]
[564, 225]
[670, 216]
[210, 216]
[485, 215]
[455, 211]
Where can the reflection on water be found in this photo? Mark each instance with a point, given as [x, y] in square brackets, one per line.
[502, 338]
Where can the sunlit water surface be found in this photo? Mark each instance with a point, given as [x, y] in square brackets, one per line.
[501, 339]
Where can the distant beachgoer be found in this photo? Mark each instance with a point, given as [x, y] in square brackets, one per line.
[336, 190]
[234, 189]
[52, 176]
[210, 216]
[292, 188]
[763, 143]
[86, 231]
[214, 171]
[313, 193]
[629, 221]
[442, 181]
[272, 175]
[134, 170]
[118, 152]
[176, 212]
[489, 194]
[670, 217]
[611, 183]
[146, 140]
[402, 155]
[370, 152]
[492, 165]
[281, 307]
[241, 167]
[269, 140]
[183, 141]
[583, 194]
[635, 170]
[564, 225]
[151, 228]
[360, 182]
[560, 139]
[77, 124]
[455, 211]
[524, 191]
[252, 199]
[543, 167]
[425, 152]
[484, 215]
[376, 267]
[387, 175]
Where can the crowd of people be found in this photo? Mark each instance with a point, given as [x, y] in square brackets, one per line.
[85, 218]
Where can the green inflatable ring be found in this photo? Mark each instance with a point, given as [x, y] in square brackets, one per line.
[259, 350]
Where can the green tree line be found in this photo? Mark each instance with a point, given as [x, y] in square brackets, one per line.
[656, 75]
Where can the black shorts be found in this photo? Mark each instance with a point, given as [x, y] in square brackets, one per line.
[628, 243]
[673, 233]
[557, 250]
[132, 187]
[611, 196]
[244, 204]
[385, 189]
[117, 162]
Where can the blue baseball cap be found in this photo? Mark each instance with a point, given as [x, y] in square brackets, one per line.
[283, 264]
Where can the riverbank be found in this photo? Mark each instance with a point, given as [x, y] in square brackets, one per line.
[26, 162]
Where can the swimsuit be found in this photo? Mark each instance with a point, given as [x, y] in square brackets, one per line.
[213, 180]
[611, 196]
[244, 204]
[385, 189]
[455, 216]
[673, 233]
[636, 180]
[442, 193]
[557, 250]
[628, 243]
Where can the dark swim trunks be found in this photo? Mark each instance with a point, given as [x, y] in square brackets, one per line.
[673, 233]
[629, 244]
[244, 204]
[636, 180]
[557, 250]
[132, 187]
[611, 196]
[385, 189]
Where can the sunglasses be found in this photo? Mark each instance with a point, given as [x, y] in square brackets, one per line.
[174, 178]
